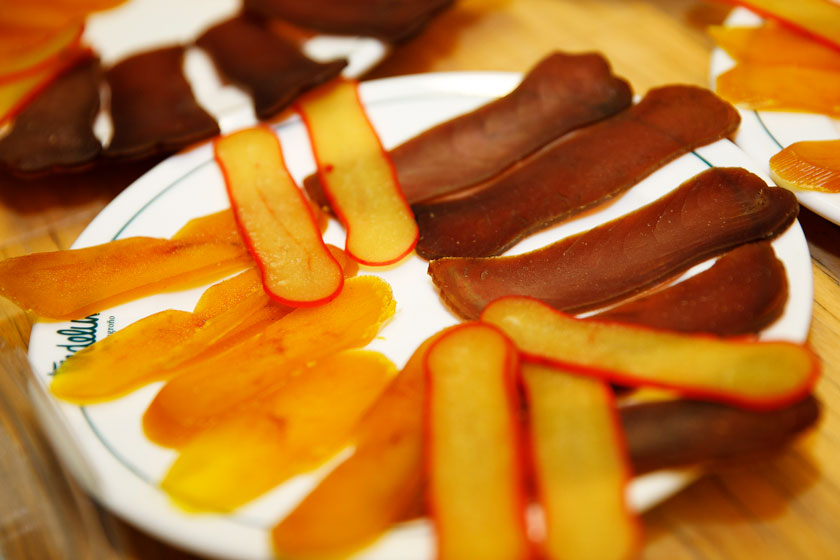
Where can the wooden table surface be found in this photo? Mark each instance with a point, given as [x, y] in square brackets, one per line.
[781, 507]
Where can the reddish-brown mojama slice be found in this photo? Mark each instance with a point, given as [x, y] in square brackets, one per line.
[55, 130]
[683, 432]
[153, 108]
[707, 215]
[743, 292]
[272, 69]
[386, 19]
[574, 173]
[561, 93]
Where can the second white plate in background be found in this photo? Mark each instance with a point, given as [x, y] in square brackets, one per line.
[764, 133]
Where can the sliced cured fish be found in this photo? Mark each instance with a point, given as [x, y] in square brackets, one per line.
[709, 214]
[561, 93]
[273, 70]
[574, 173]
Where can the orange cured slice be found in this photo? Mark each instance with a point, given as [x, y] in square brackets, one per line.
[764, 87]
[772, 43]
[813, 166]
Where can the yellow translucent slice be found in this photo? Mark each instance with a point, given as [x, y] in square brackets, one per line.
[580, 466]
[747, 372]
[475, 483]
[358, 176]
[275, 220]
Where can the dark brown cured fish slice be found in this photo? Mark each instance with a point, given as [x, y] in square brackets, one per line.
[390, 20]
[743, 292]
[707, 215]
[682, 433]
[153, 108]
[55, 131]
[574, 173]
[273, 70]
[561, 93]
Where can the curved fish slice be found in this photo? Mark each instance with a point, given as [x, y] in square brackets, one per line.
[153, 108]
[273, 70]
[716, 210]
[574, 173]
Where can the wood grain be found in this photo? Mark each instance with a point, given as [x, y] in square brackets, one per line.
[780, 507]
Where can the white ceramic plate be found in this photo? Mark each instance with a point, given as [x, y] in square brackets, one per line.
[139, 25]
[763, 133]
[104, 444]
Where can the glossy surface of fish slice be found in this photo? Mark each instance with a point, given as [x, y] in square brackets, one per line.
[743, 292]
[574, 173]
[711, 213]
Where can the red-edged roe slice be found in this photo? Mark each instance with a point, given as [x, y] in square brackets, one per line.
[561, 93]
[20, 89]
[741, 371]
[713, 212]
[55, 130]
[358, 175]
[275, 220]
[773, 43]
[580, 466]
[389, 20]
[475, 474]
[153, 108]
[271, 439]
[272, 69]
[574, 173]
[817, 18]
[49, 15]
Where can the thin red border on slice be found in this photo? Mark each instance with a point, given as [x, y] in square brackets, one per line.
[276, 221]
[358, 176]
[580, 466]
[741, 371]
[819, 19]
[473, 440]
